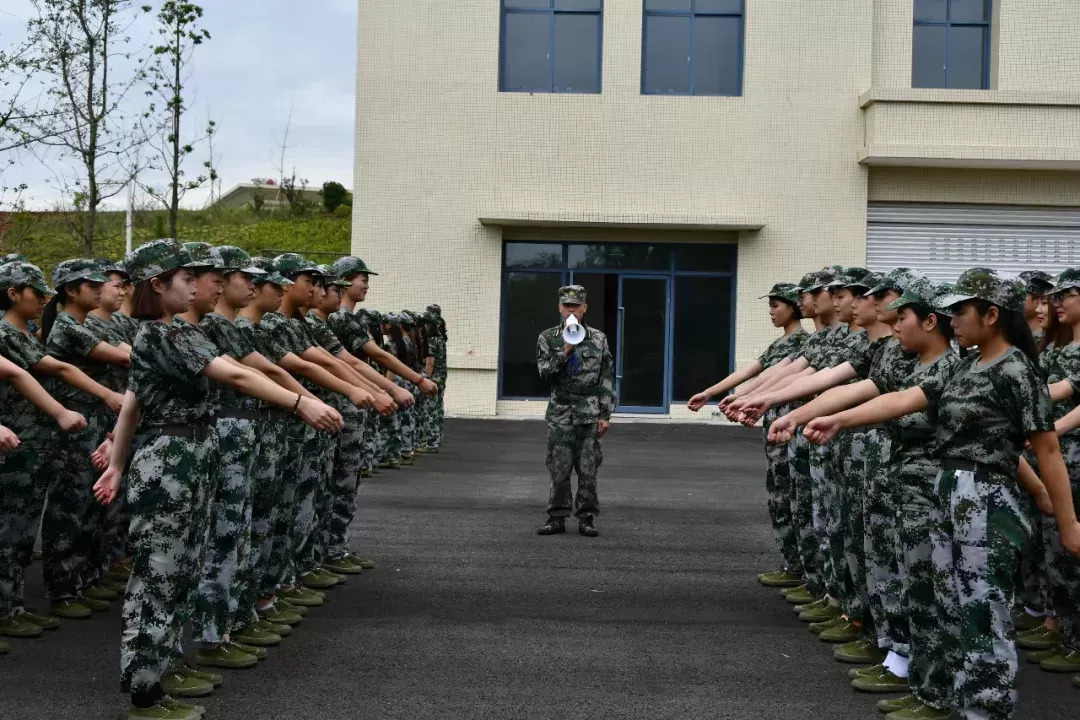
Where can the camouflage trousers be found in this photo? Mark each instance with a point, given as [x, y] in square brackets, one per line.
[933, 625]
[169, 515]
[570, 448]
[390, 436]
[299, 480]
[228, 546]
[268, 482]
[307, 492]
[779, 484]
[983, 528]
[1063, 568]
[409, 431]
[436, 417]
[424, 405]
[71, 537]
[371, 440]
[21, 497]
[881, 542]
[827, 516]
[846, 546]
[1032, 572]
[802, 512]
[338, 506]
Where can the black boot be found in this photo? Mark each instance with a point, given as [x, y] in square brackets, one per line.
[554, 526]
[586, 527]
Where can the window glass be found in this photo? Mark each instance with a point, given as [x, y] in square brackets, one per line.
[928, 56]
[628, 256]
[702, 350]
[530, 306]
[534, 255]
[970, 11]
[966, 57]
[705, 258]
[578, 5]
[668, 5]
[716, 55]
[931, 10]
[526, 40]
[577, 53]
[667, 55]
[719, 6]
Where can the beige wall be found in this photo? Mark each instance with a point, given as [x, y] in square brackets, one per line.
[439, 147]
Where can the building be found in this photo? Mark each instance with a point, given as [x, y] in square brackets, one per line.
[270, 195]
[677, 157]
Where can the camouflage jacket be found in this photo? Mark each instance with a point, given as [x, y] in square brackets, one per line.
[984, 413]
[262, 340]
[235, 343]
[583, 395]
[323, 333]
[129, 326]
[351, 331]
[113, 333]
[438, 350]
[783, 347]
[71, 342]
[16, 412]
[167, 364]
[1064, 364]
[914, 452]
[866, 355]
[893, 368]
[834, 348]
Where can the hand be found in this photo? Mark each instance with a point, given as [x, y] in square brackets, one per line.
[71, 421]
[361, 398]
[1044, 503]
[101, 457]
[428, 387]
[403, 397]
[602, 427]
[384, 404]
[756, 408]
[568, 349]
[115, 401]
[748, 420]
[727, 400]
[821, 430]
[8, 440]
[698, 401]
[781, 431]
[1070, 537]
[107, 486]
[319, 415]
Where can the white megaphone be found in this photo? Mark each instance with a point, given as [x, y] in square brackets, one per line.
[573, 331]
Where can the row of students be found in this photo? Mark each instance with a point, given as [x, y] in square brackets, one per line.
[903, 508]
[228, 478]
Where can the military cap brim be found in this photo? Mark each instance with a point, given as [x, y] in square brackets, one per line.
[945, 302]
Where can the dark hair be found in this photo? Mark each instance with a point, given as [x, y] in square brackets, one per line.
[1015, 328]
[52, 308]
[944, 322]
[397, 338]
[796, 311]
[147, 303]
[1056, 331]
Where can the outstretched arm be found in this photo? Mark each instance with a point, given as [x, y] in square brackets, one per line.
[733, 380]
[880, 409]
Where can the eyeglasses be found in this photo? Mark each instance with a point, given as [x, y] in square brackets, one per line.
[1059, 298]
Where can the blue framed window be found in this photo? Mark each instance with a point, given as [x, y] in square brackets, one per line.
[551, 46]
[692, 47]
[951, 44]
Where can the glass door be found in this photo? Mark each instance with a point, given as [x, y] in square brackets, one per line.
[641, 357]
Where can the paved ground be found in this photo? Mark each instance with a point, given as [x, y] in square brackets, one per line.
[471, 615]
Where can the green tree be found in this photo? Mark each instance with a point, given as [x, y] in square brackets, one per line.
[334, 195]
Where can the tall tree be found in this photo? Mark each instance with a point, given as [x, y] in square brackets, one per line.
[83, 49]
[179, 35]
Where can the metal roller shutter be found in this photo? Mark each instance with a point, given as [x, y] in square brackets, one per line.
[944, 240]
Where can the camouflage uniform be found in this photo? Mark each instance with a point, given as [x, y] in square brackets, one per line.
[983, 414]
[778, 477]
[351, 330]
[168, 482]
[21, 486]
[582, 393]
[391, 426]
[439, 377]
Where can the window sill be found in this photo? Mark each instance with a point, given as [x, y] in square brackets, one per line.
[967, 97]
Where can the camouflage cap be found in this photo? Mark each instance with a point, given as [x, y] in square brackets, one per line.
[106, 267]
[921, 291]
[434, 309]
[13, 257]
[77, 269]
[23, 274]
[407, 320]
[237, 259]
[985, 284]
[204, 255]
[849, 277]
[289, 264]
[351, 265]
[1067, 280]
[572, 295]
[896, 279]
[824, 277]
[155, 258]
[808, 281]
[787, 292]
[872, 279]
[1037, 282]
[331, 276]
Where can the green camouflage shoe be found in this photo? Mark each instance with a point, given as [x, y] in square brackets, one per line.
[367, 474]
[225, 655]
[904, 702]
[407, 459]
[1037, 656]
[1063, 661]
[255, 636]
[820, 627]
[339, 579]
[780, 579]
[214, 679]
[18, 627]
[859, 652]
[176, 706]
[70, 609]
[340, 565]
[800, 596]
[883, 682]
[843, 633]
[97, 591]
[920, 712]
[1039, 639]
[159, 712]
[854, 673]
[93, 603]
[280, 617]
[180, 685]
[296, 597]
[270, 627]
[819, 603]
[363, 562]
[821, 614]
[316, 580]
[44, 622]
[259, 653]
[120, 572]
[288, 608]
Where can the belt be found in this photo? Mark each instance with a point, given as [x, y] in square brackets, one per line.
[582, 390]
[237, 413]
[963, 465]
[199, 430]
[84, 407]
[272, 414]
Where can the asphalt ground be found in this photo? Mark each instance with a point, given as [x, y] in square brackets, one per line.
[471, 615]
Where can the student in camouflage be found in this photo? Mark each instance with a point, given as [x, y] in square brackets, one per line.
[1037, 287]
[170, 402]
[582, 379]
[784, 313]
[982, 415]
[439, 376]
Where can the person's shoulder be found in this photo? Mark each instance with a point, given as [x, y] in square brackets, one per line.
[551, 332]
[598, 336]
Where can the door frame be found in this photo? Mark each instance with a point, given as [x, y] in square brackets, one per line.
[669, 328]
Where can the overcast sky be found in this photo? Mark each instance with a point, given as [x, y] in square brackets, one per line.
[264, 57]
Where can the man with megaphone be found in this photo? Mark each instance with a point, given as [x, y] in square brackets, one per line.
[576, 360]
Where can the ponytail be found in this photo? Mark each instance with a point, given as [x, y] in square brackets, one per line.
[1015, 329]
[52, 308]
